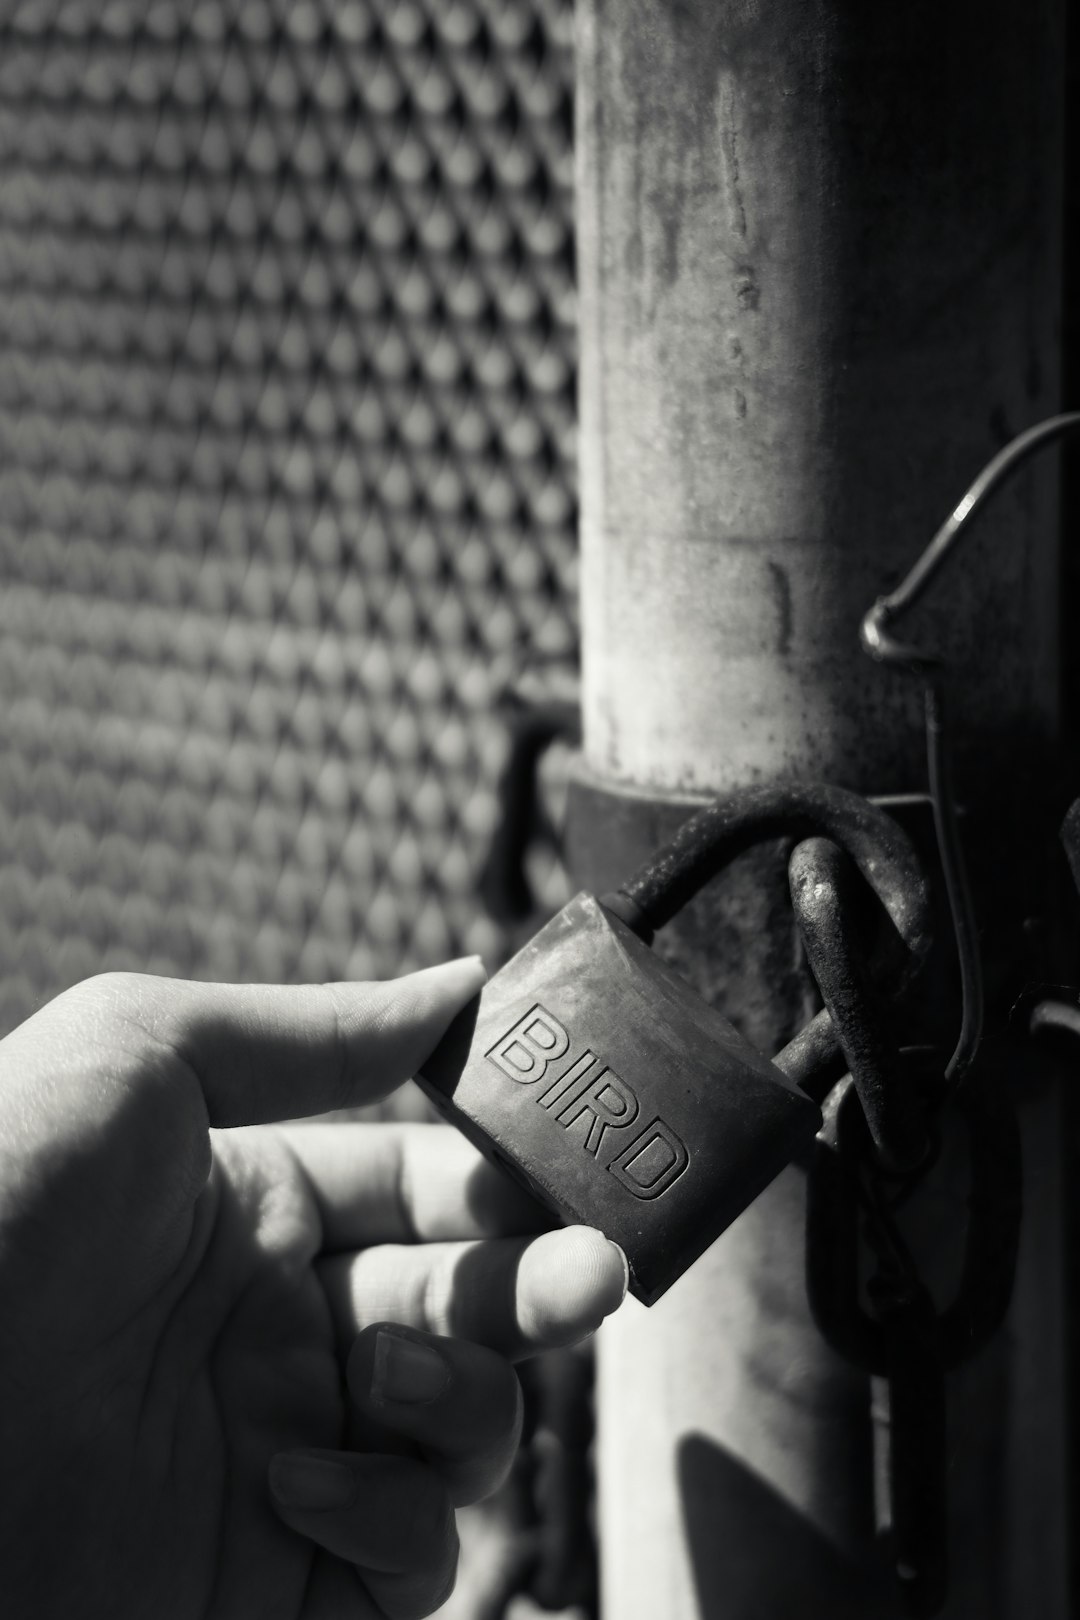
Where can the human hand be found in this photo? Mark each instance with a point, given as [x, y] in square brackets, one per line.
[177, 1304]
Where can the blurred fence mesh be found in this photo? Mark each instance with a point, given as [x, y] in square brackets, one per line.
[287, 343]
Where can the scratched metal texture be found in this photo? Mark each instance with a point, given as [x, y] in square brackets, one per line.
[287, 483]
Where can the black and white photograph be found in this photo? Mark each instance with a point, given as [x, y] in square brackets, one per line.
[539, 810]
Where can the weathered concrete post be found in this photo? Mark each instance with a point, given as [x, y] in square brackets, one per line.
[818, 249]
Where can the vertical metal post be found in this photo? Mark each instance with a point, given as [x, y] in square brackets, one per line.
[818, 248]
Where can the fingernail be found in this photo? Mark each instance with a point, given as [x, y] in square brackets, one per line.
[625, 1267]
[406, 1370]
[315, 1483]
[462, 978]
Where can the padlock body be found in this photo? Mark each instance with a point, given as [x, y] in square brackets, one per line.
[616, 1095]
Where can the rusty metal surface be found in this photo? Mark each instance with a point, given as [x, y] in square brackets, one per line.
[735, 941]
[826, 899]
[708, 840]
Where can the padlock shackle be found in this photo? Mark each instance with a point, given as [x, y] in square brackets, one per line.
[711, 838]
[837, 1213]
[823, 880]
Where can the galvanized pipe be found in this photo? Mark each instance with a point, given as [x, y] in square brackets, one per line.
[818, 248]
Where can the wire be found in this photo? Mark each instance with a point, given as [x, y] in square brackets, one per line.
[957, 887]
[874, 631]
[877, 639]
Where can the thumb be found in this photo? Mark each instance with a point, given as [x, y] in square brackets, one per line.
[259, 1052]
[269, 1052]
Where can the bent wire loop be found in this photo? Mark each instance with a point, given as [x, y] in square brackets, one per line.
[878, 639]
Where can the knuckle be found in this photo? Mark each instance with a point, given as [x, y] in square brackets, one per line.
[413, 1597]
[409, 1515]
[112, 993]
[144, 1082]
[115, 1004]
[443, 1587]
[434, 1521]
[429, 1529]
[498, 1412]
[439, 1293]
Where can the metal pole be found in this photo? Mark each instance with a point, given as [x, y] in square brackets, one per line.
[818, 248]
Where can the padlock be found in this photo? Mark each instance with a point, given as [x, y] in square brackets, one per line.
[599, 1079]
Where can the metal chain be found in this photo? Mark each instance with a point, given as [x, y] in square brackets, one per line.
[864, 1287]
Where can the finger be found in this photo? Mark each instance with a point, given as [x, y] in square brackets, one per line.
[391, 1517]
[270, 1052]
[516, 1295]
[406, 1184]
[336, 1589]
[459, 1402]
